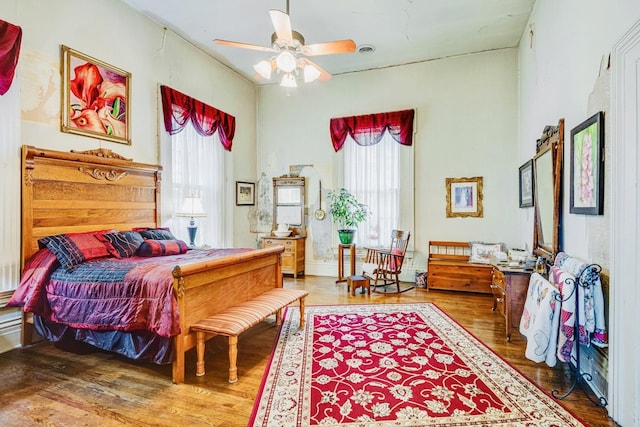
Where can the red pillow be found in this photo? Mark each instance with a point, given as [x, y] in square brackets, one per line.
[151, 247]
[75, 248]
[394, 261]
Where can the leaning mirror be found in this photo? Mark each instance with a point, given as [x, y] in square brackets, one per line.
[547, 173]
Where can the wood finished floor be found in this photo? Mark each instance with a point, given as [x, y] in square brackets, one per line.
[43, 385]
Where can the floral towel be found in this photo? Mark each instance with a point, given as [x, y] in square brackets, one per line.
[591, 300]
[540, 318]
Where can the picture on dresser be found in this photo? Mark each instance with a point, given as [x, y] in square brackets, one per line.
[587, 166]
[464, 197]
[526, 184]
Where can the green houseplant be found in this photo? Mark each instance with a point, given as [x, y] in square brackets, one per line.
[347, 212]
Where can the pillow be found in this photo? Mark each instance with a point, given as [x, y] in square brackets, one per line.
[151, 247]
[122, 244]
[75, 248]
[481, 252]
[155, 233]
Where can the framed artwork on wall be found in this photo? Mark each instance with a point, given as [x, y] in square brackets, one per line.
[526, 184]
[245, 193]
[587, 166]
[464, 197]
[95, 98]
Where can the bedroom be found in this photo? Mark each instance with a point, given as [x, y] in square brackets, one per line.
[501, 107]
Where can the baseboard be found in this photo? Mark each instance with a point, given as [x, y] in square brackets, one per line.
[10, 326]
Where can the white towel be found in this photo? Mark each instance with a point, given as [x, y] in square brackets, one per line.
[539, 322]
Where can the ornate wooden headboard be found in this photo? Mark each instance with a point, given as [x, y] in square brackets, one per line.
[84, 191]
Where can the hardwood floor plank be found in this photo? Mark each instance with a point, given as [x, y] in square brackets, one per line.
[44, 385]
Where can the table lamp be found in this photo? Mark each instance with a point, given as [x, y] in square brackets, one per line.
[192, 208]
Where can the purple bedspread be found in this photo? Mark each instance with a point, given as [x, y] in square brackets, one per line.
[134, 296]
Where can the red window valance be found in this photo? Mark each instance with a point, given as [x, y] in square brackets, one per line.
[369, 128]
[10, 39]
[179, 108]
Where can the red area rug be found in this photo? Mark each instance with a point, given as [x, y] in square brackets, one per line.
[393, 365]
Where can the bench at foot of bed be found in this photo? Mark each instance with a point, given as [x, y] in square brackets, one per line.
[237, 319]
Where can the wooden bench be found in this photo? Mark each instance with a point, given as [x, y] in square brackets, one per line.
[234, 320]
[448, 268]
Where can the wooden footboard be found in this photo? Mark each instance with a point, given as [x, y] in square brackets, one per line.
[208, 287]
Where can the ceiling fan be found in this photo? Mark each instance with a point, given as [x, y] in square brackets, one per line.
[290, 52]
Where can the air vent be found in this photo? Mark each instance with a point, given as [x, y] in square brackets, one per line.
[366, 48]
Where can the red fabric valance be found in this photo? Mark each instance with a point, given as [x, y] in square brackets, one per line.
[179, 108]
[10, 39]
[369, 129]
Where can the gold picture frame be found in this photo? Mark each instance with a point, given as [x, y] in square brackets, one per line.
[464, 197]
[96, 98]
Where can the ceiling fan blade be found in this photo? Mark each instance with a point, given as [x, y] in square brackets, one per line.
[329, 48]
[324, 75]
[282, 25]
[243, 45]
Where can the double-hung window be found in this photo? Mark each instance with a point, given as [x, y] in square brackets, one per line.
[378, 170]
[196, 157]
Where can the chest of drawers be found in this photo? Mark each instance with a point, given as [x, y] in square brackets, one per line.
[293, 255]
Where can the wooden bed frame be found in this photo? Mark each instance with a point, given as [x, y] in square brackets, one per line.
[99, 190]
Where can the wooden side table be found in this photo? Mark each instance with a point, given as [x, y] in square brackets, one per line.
[509, 286]
[352, 261]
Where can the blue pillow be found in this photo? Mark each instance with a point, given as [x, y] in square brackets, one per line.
[123, 244]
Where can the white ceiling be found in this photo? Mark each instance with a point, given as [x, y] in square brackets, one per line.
[402, 31]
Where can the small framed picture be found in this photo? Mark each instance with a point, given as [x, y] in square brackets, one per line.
[245, 193]
[587, 167]
[526, 184]
[96, 100]
[464, 197]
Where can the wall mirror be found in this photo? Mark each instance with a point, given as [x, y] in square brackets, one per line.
[547, 174]
[289, 203]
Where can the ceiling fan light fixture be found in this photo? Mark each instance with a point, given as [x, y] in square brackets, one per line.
[311, 73]
[288, 80]
[286, 61]
[263, 68]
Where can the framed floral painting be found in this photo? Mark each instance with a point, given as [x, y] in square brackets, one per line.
[95, 98]
[464, 197]
[587, 167]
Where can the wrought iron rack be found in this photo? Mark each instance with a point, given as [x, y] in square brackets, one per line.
[579, 377]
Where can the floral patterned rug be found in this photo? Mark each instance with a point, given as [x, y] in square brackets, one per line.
[393, 365]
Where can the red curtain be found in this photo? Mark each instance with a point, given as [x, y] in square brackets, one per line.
[10, 39]
[179, 108]
[369, 129]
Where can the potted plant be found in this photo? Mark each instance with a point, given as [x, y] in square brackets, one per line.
[347, 212]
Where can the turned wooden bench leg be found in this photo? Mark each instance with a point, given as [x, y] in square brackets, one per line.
[200, 340]
[233, 359]
[302, 312]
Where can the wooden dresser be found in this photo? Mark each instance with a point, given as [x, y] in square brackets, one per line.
[509, 286]
[293, 255]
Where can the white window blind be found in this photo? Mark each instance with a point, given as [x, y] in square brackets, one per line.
[10, 164]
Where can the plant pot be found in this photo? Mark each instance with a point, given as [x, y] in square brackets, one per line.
[346, 236]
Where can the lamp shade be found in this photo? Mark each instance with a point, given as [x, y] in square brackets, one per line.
[192, 207]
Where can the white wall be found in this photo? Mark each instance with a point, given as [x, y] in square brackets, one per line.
[558, 72]
[466, 122]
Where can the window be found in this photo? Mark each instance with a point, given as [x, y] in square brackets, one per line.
[199, 168]
[194, 154]
[377, 167]
[380, 176]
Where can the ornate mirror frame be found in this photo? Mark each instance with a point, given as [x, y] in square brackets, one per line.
[547, 175]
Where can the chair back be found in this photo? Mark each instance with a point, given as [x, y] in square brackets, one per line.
[399, 244]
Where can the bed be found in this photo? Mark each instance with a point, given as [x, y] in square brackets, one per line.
[99, 190]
